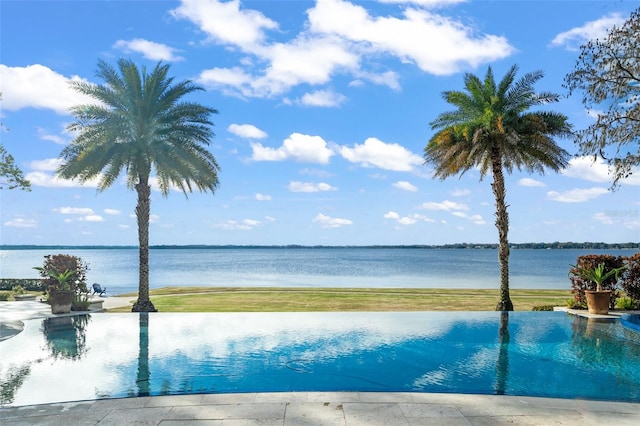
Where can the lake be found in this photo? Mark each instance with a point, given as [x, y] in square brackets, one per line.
[117, 268]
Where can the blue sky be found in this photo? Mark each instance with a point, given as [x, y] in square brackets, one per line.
[324, 111]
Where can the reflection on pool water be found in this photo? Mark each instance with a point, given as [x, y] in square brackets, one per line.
[548, 354]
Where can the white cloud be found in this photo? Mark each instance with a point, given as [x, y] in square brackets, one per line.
[338, 38]
[148, 49]
[234, 225]
[577, 195]
[598, 171]
[112, 212]
[388, 156]
[528, 182]
[598, 29]
[92, 218]
[457, 46]
[405, 186]
[604, 218]
[21, 223]
[74, 210]
[46, 136]
[476, 218]
[331, 222]
[49, 180]
[36, 86]
[322, 98]
[407, 220]
[445, 205]
[391, 215]
[247, 131]
[225, 22]
[263, 197]
[460, 192]
[295, 186]
[47, 165]
[298, 147]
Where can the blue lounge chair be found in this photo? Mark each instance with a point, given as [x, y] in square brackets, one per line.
[98, 290]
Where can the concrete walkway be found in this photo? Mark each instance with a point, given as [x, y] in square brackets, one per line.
[309, 408]
[349, 408]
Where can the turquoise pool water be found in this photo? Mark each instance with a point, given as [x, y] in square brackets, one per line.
[549, 354]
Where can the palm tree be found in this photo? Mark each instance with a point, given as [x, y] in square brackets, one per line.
[141, 126]
[492, 130]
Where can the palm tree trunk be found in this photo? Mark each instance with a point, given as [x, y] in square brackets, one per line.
[143, 209]
[502, 223]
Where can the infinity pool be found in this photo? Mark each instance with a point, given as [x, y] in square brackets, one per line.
[549, 354]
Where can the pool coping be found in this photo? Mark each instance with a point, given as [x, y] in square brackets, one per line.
[327, 408]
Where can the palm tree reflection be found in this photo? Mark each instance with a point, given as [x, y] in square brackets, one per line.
[142, 379]
[502, 366]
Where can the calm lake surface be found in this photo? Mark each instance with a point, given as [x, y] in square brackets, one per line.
[117, 268]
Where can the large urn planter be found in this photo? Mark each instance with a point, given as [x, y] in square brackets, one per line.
[60, 301]
[598, 301]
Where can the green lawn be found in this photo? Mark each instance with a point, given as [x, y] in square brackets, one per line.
[243, 299]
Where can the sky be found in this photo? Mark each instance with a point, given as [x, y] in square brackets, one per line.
[324, 110]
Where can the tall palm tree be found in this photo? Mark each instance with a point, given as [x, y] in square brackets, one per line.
[141, 126]
[492, 130]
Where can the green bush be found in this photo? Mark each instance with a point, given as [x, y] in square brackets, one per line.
[574, 304]
[626, 303]
[543, 308]
[4, 295]
[61, 263]
[80, 302]
[17, 289]
[579, 284]
[631, 278]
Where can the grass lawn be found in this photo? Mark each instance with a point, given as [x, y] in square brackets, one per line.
[251, 299]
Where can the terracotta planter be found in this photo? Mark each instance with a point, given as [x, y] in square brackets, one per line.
[60, 301]
[598, 301]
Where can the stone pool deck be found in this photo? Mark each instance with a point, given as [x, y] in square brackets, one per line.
[310, 408]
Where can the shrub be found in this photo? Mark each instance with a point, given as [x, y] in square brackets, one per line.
[17, 289]
[543, 308]
[80, 302]
[574, 304]
[631, 278]
[579, 285]
[61, 263]
[626, 303]
[4, 295]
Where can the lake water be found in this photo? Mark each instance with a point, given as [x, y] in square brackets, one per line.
[117, 269]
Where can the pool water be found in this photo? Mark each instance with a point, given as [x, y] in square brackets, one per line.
[548, 354]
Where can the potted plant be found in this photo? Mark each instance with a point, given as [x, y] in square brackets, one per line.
[598, 299]
[64, 277]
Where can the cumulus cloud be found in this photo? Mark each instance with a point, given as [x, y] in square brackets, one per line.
[577, 195]
[339, 37]
[445, 205]
[376, 153]
[247, 131]
[331, 222]
[528, 182]
[322, 98]
[475, 218]
[598, 29]
[598, 171]
[298, 147]
[603, 218]
[112, 212]
[263, 197]
[37, 86]
[457, 45]
[405, 186]
[74, 210]
[20, 222]
[50, 180]
[295, 186]
[407, 220]
[149, 49]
